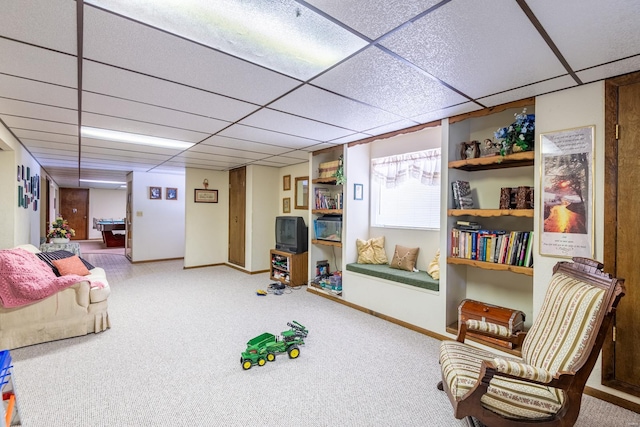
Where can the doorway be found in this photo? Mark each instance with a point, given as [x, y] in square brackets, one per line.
[620, 369]
[237, 215]
[74, 207]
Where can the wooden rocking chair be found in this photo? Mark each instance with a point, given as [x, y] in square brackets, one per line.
[545, 386]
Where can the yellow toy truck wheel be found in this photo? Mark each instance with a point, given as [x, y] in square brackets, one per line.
[271, 357]
[246, 364]
[294, 352]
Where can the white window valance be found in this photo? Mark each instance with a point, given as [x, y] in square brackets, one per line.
[421, 165]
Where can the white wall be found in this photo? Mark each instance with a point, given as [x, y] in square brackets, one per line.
[262, 208]
[206, 224]
[107, 204]
[158, 225]
[25, 223]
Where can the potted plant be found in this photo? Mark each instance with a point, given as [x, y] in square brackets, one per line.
[519, 136]
[60, 232]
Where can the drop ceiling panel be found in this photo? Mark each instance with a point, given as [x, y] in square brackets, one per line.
[265, 136]
[211, 150]
[373, 18]
[241, 144]
[142, 149]
[613, 69]
[297, 154]
[529, 91]
[141, 128]
[350, 138]
[98, 151]
[52, 23]
[107, 80]
[45, 136]
[117, 107]
[37, 92]
[281, 35]
[376, 78]
[212, 160]
[52, 149]
[35, 111]
[115, 158]
[318, 104]
[456, 44]
[293, 125]
[28, 61]
[201, 164]
[32, 144]
[589, 39]
[191, 64]
[403, 124]
[39, 125]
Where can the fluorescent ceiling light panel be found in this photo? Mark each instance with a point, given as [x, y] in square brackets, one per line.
[132, 138]
[282, 35]
[97, 181]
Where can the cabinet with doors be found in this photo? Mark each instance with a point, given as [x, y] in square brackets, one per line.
[489, 245]
[326, 214]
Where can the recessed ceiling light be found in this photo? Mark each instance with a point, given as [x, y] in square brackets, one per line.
[97, 181]
[133, 138]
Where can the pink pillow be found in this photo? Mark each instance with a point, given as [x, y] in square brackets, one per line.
[71, 265]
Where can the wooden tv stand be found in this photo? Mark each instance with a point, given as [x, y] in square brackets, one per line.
[290, 269]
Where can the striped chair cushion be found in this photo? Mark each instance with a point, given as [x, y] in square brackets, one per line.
[49, 257]
[509, 398]
[561, 331]
[477, 325]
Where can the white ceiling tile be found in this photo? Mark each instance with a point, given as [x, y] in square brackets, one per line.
[212, 150]
[351, 138]
[390, 128]
[373, 18]
[132, 126]
[265, 136]
[39, 125]
[457, 44]
[142, 149]
[293, 125]
[136, 87]
[107, 35]
[37, 92]
[318, 104]
[99, 151]
[38, 111]
[379, 79]
[541, 88]
[282, 35]
[46, 136]
[241, 144]
[447, 112]
[593, 38]
[51, 23]
[28, 61]
[33, 145]
[613, 69]
[297, 154]
[118, 107]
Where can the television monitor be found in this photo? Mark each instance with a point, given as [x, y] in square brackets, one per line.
[292, 234]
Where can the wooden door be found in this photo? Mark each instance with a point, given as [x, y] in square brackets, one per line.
[622, 230]
[74, 207]
[237, 215]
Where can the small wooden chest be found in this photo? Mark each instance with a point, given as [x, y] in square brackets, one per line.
[513, 320]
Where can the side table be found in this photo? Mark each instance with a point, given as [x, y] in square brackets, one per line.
[72, 247]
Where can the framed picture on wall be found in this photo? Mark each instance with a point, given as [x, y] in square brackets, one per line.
[286, 182]
[286, 205]
[205, 196]
[171, 193]
[155, 193]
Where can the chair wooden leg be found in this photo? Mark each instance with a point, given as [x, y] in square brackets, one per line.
[440, 386]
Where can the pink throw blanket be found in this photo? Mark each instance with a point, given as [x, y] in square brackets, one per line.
[25, 279]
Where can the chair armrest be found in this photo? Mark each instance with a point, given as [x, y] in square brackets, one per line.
[522, 370]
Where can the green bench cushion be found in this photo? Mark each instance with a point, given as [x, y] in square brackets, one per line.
[420, 279]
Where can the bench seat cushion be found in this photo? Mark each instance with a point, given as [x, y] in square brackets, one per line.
[420, 279]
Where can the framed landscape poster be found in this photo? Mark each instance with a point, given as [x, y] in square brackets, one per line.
[567, 193]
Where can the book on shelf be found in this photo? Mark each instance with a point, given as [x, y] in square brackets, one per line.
[497, 246]
[462, 197]
[324, 199]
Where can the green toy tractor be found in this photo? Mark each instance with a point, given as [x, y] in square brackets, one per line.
[264, 347]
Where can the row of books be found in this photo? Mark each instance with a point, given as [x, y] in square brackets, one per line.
[325, 200]
[499, 246]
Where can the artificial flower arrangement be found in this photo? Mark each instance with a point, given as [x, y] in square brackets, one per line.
[519, 136]
[60, 229]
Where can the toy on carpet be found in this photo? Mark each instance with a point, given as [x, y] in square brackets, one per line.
[263, 348]
[261, 293]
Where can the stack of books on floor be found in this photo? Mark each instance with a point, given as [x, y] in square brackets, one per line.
[498, 246]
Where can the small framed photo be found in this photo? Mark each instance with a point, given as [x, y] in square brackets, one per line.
[205, 196]
[155, 193]
[286, 182]
[358, 191]
[286, 205]
[171, 194]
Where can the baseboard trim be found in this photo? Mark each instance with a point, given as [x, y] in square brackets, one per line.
[203, 266]
[598, 394]
[153, 260]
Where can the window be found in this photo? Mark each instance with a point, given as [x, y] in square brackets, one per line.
[406, 190]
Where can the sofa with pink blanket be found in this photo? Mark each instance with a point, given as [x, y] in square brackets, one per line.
[36, 306]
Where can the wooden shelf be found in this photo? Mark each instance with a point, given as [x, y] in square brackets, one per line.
[331, 181]
[453, 329]
[525, 158]
[327, 211]
[487, 213]
[326, 243]
[528, 271]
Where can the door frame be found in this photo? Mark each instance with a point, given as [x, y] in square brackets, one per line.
[611, 215]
